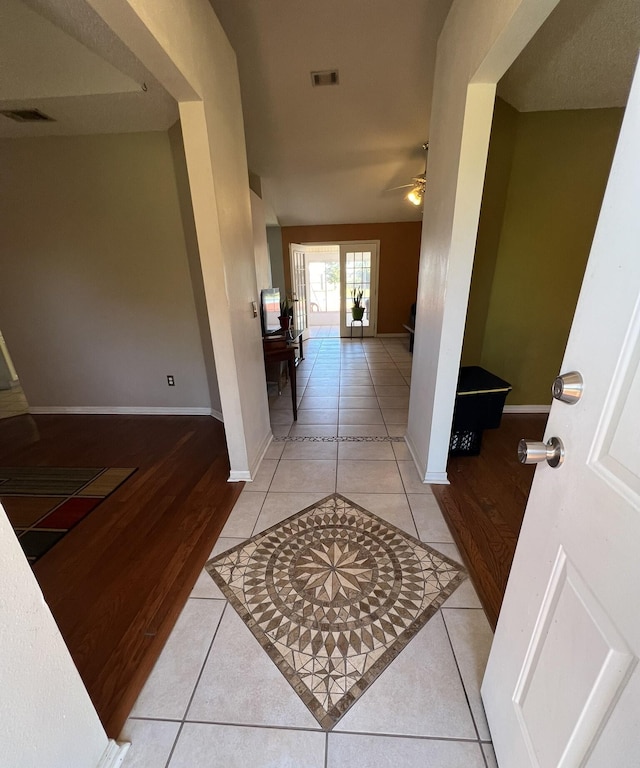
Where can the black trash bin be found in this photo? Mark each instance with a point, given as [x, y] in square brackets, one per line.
[480, 397]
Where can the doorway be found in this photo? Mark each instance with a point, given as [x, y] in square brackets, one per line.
[326, 279]
[545, 178]
[323, 290]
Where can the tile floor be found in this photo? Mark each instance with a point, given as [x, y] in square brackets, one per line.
[216, 699]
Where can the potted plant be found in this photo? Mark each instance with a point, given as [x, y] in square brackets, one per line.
[286, 311]
[357, 310]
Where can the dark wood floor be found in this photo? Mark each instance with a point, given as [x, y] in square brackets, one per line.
[485, 503]
[117, 582]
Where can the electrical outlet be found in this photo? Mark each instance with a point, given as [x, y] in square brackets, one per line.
[171, 381]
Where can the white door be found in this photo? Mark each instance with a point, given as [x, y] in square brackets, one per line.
[299, 287]
[562, 687]
[359, 272]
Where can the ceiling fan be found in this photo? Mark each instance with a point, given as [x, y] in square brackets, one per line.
[418, 183]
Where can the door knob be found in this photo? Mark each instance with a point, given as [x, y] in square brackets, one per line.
[532, 452]
[568, 387]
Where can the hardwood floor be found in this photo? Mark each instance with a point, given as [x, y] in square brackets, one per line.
[117, 582]
[485, 502]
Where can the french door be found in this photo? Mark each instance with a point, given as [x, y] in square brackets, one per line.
[299, 288]
[359, 272]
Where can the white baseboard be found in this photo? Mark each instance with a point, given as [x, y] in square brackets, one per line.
[239, 476]
[437, 478]
[431, 478]
[526, 409]
[247, 476]
[412, 449]
[114, 754]
[121, 410]
[217, 415]
[268, 439]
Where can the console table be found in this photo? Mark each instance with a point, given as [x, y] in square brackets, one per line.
[282, 347]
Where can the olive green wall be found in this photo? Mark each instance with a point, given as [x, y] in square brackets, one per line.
[494, 195]
[559, 167]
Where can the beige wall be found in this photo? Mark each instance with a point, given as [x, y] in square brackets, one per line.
[195, 268]
[276, 257]
[46, 716]
[185, 48]
[260, 246]
[559, 167]
[96, 302]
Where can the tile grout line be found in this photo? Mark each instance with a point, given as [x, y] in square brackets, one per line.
[197, 682]
[319, 729]
[253, 530]
[175, 743]
[412, 736]
[413, 517]
[464, 687]
[259, 726]
[195, 687]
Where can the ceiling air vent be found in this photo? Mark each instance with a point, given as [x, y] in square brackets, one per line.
[27, 115]
[328, 77]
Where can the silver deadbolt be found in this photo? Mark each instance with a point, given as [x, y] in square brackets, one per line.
[568, 387]
[532, 452]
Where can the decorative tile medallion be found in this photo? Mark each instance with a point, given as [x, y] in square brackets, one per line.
[333, 594]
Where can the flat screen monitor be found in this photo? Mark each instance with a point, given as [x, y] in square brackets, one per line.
[270, 310]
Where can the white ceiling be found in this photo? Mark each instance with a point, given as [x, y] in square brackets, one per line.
[58, 57]
[583, 57]
[326, 154]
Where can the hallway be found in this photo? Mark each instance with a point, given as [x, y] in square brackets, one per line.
[215, 698]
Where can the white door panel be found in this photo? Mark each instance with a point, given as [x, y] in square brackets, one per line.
[565, 691]
[561, 688]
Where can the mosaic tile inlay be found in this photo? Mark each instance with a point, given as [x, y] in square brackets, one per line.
[333, 594]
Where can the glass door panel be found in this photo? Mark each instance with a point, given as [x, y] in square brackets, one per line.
[299, 288]
[323, 286]
[359, 274]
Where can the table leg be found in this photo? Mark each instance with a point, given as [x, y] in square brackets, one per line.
[292, 382]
